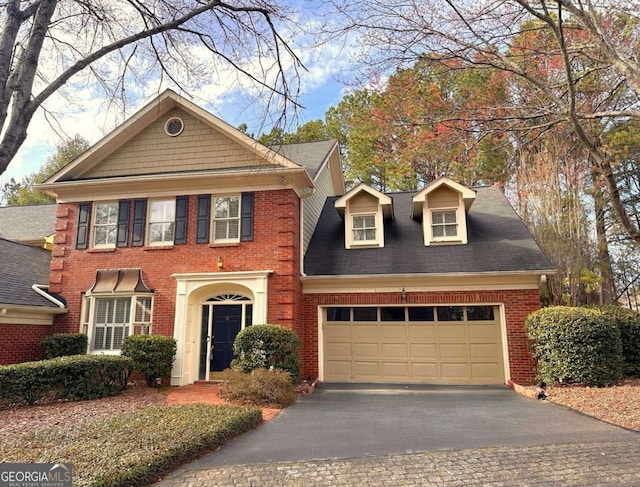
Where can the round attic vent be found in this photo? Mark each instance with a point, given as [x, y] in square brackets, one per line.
[174, 126]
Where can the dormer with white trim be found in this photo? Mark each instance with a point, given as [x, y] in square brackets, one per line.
[442, 206]
[364, 211]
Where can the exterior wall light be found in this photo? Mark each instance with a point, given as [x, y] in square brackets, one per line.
[220, 263]
[403, 296]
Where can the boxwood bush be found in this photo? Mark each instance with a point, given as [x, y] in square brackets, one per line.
[628, 321]
[74, 377]
[153, 355]
[63, 344]
[266, 347]
[575, 345]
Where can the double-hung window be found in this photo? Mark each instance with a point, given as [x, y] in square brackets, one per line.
[112, 319]
[444, 224]
[105, 224]
[364, 228]
[162, 215]
[226, 219]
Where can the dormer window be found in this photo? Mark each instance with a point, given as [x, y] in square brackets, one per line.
[364, 229]
[442, 207]
[444, 225]
[364, 211]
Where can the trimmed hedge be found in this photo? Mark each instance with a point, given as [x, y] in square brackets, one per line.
[63, 345]
[628, 321]
[266, 347]
[575, 345]
[153, 355]
[73, 378]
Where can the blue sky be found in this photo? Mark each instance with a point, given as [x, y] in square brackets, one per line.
[84, 110]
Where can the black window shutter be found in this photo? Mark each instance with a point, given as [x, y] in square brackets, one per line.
[182, 210]
[84, 215]
[203, 218]
[246, 221]
[139, 217]
[122, 237]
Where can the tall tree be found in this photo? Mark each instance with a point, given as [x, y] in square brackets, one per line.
[585, 39]
[44, 44]
[396, 139]
[309, 132]
[24, 192]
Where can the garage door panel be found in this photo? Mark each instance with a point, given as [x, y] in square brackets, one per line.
[455, 372]
[480, 352]
[451, 352]
[339, 369]
[395, 350]
[422, 332]
[339, 350]
[456, 352]
[425, 371]
[338, 332]
[395, 370]
[452, 332]
[484, 371]
[370, 370]
[367, 333]
[424, 351]
[394, 333]
[483, 332]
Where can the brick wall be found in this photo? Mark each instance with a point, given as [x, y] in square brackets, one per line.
[518, 304]
[276, 246]
[21, 343]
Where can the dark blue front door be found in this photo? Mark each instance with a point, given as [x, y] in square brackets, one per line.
[227, 322]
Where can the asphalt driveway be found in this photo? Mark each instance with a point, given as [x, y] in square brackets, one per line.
[348, 421]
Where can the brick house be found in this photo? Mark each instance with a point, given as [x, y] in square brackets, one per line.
[178, 224]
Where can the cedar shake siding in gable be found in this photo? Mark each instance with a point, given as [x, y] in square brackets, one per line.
[152, 151]
[275, 246]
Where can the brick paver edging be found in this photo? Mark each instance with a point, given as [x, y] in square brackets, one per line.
[590, 464]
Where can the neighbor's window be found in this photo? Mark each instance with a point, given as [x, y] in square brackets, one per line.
[162, 215]
[444, 224]
[114, 319]
[105, 224]
[364, 228]
[226, 219]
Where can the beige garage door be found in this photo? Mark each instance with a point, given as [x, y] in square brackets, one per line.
[425, 344]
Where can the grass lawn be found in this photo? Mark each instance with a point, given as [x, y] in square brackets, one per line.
[131, 448]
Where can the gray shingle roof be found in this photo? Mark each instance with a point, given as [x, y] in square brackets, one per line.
[498, 241]
[22, 223]
[22, 266]
[308, 154]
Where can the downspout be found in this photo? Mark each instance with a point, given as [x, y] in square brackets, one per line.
[38, 288]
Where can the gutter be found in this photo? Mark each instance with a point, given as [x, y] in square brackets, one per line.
[39, 289]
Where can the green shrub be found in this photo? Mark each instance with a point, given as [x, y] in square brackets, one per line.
[260, 387]
[266, 347]
[73, 378]
[628, 321]
[63, 344]
[153, 355]
[575, 345]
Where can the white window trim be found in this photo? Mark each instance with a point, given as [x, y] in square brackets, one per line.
[351, 242]
[149, 222]
[375, 228]
[87, 324]
[94, 225]
[213, 238]
[461, 220]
